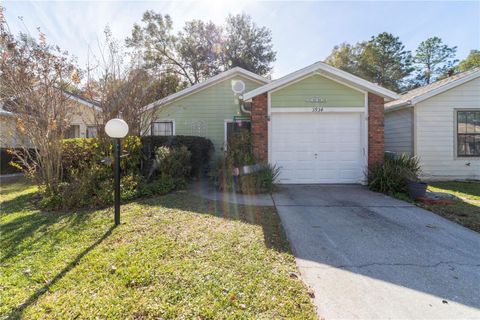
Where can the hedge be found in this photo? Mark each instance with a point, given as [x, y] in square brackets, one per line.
[200, 148]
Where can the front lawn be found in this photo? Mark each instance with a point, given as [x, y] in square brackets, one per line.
[465, 211]
[173, 257]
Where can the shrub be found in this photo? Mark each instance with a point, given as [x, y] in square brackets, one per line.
[173, 163]
[393, 175]
[201, 150]
[239, 154]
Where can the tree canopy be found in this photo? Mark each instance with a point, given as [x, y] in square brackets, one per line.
[202, 49]
[383, 60]
[432, 60]
[470, 62]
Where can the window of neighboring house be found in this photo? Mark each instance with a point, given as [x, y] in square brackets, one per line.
[92, 131]
[73, 131]
[468, 133]
[162, 128]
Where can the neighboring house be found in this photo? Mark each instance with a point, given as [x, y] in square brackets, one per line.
[208, 109]
[85, 119]
[440, 124]
[83, 122]
[9, 138]
[318, 124]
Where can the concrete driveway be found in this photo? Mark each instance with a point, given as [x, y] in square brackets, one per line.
[369, 256]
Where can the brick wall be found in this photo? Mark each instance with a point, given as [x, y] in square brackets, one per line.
[260, 127]
[375, 129]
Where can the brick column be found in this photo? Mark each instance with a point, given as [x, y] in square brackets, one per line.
[375, 129]
[260, 127]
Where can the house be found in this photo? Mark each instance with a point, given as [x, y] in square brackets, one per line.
[318, 124]
[83, 122]
[440, 124]
[208, 109]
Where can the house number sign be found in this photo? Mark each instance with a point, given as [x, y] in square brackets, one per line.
[317, 102]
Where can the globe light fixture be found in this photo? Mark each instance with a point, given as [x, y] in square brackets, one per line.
[117, 129]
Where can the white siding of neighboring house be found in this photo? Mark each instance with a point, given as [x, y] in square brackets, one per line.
[435, 133]
[399, 131]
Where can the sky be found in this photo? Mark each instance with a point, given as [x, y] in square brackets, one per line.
[303, 32]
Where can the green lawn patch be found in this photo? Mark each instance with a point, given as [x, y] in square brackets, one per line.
[465, 211]
[173, 257]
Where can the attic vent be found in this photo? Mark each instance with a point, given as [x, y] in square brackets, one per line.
[238, 86]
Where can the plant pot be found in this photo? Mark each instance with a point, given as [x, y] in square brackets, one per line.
[416, 189]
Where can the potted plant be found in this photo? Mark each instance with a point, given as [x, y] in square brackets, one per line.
[416, 188]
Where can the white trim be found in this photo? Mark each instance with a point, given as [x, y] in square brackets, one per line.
[269, 127]
[310, 109]
[424, 96]
[80, 100]
[445, 87]
[162, 120]
[365, 138]
[354, 80]
[207, 83]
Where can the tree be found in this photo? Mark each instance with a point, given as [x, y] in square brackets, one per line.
[344, 56]
[470, 62]
[123, 88]
[383, 60]
[247, 45]
[34, 77]
[433, 59]
[202, 49]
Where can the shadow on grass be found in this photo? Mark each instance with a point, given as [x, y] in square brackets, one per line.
[17, 312]
[25, 225]
[461, 212]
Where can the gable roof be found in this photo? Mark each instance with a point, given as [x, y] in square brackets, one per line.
[89, 103]
[322, 68]
[415, 96]
[75, 97]
[202, 85]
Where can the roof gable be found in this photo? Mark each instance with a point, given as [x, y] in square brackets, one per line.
[207, 83]
[417, 95]
[326, 70]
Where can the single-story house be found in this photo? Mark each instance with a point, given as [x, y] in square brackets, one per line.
[318, 124]
[82, 118]
[440, 124]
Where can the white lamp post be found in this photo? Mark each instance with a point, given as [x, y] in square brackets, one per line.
[117, 129]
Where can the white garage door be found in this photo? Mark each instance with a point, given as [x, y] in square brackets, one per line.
[317, 148]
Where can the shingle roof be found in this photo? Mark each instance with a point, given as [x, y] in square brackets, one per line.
[416, 95]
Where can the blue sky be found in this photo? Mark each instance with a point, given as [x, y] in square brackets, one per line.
[303, 32]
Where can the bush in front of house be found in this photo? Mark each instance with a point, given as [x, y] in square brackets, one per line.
[200, 148]
[392, 176]
[240, 153]
[87, 179]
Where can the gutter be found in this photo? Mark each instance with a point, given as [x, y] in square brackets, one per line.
[402, 105]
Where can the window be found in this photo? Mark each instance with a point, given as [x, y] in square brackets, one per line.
[73, 132]
[162, 128]
[468, 133]
[92, 131]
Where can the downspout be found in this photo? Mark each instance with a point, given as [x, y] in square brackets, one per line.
[242, 106]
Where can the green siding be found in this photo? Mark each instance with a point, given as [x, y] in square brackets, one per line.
[212, 106]
[337, 95]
